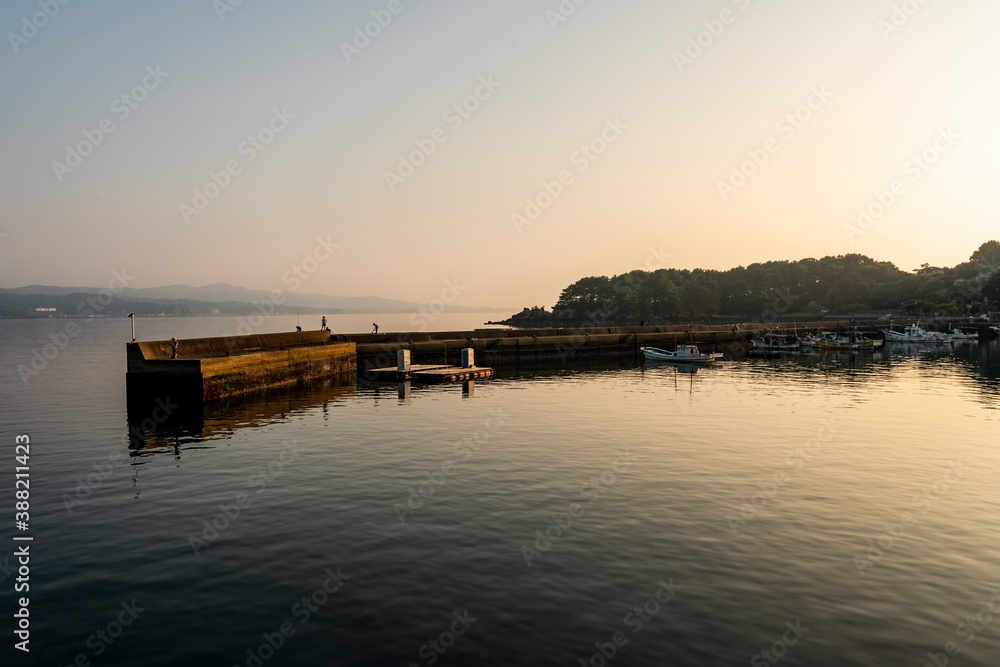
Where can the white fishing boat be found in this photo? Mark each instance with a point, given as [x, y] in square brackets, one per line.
[914, 333]
[775, 343]
[958, 336]
[685, 354]
[852, 341]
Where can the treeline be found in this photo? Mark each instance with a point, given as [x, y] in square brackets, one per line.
[764, 292]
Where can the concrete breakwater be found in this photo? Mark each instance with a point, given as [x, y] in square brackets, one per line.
[506, 348]
[213, 368]
[208, 369]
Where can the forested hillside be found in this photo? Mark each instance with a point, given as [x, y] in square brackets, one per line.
[807, 287]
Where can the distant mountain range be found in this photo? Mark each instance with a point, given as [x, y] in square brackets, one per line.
[188, 300]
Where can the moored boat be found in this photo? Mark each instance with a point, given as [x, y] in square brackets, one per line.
[687, 354]
[958, 336]
[914, 333]
[827, 340]
[774, 343]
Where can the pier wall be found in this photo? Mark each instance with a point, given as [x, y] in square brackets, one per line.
[504, 348]
[213, 368]
[221, 346]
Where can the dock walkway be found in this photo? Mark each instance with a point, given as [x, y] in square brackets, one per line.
[430, 373]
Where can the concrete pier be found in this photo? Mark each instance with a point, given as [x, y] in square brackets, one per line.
[506, 348]
[213, 368]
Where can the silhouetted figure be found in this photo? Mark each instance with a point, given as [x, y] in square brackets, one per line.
[173, 348]
[298, 328]
[375, 330]
[322, 324]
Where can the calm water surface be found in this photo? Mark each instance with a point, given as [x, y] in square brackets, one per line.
[824, 509]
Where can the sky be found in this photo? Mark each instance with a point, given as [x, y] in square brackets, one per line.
[493, 152]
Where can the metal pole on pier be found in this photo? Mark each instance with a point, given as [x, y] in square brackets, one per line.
[131, 316]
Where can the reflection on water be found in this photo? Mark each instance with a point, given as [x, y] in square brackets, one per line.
[170, 423]
[707, 443]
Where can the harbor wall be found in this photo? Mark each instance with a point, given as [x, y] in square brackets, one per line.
[214, 368]
[208, 369]
[505, 348]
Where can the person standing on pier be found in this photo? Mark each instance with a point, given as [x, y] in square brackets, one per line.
[323, 323]
[173, 348]
[375, 330]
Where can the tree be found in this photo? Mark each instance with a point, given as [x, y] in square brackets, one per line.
[586, 296]
[988, 254]
[917, 307]
[991, 290]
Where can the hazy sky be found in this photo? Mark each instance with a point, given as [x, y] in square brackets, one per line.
[634, 113]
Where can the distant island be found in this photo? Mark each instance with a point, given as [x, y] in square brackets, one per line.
[220, 299]
[807, 288]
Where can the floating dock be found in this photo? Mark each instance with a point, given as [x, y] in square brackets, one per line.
[430, 374]
[406, 372]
